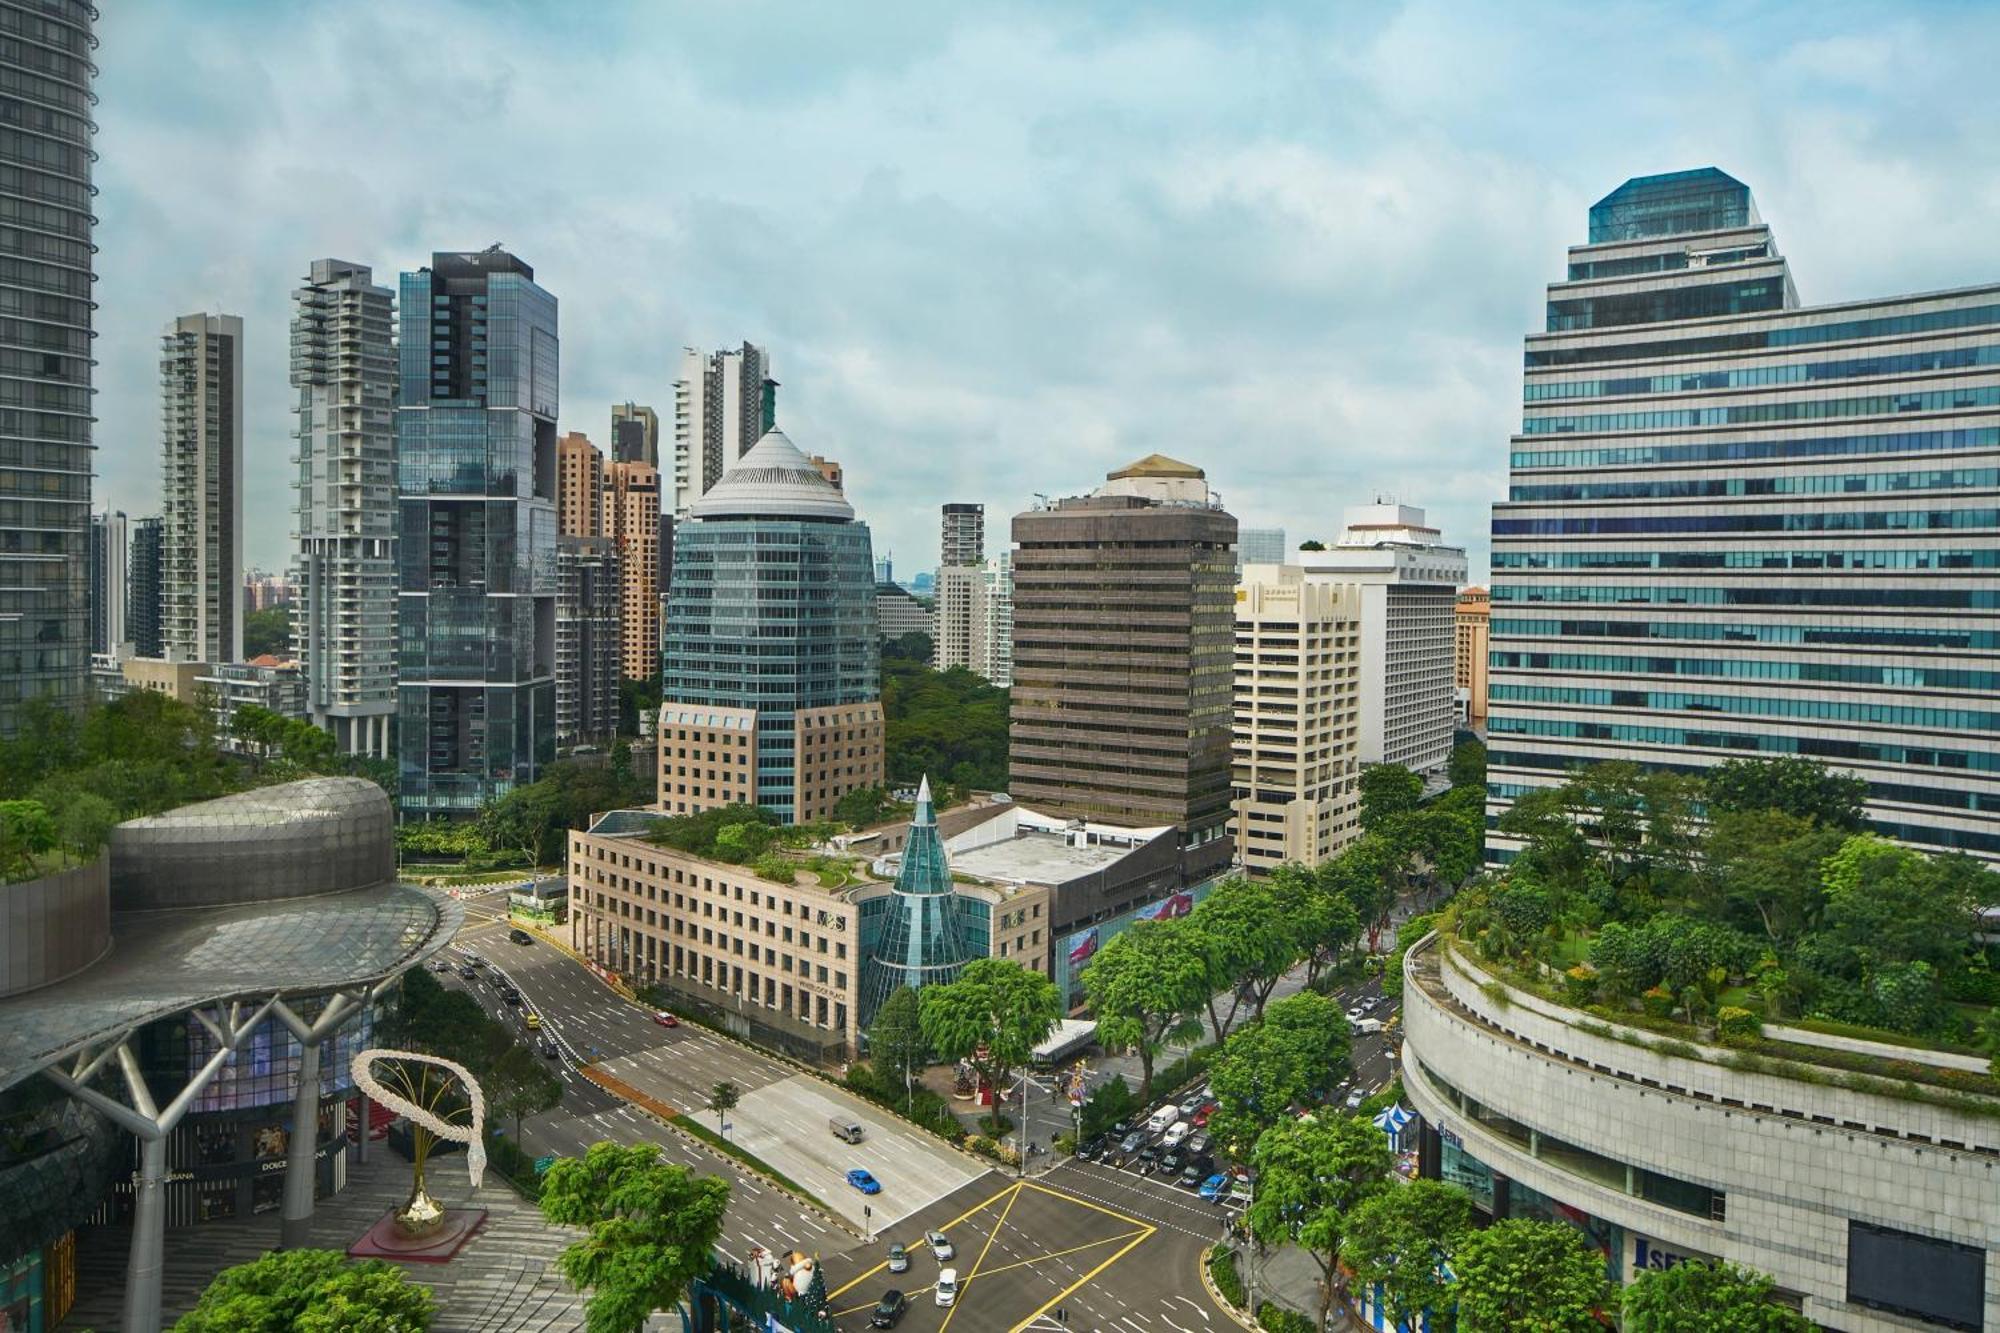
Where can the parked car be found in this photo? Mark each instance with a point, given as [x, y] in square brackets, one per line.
[1202, 1116]
[1149, 1159]
[1170, 1161]
[889, 1309]
[665, 1019]
[1196, 1170]
[1213, 1187]
[1199, 1143]
[1192, 1102]
[947, 1286]
[899, 1259]
[861, 1180]
[941, 1246]
[1176, 1134]
[1093, 1148]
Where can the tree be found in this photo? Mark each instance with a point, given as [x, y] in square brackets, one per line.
[1324, 922]
[1791, 784]
[1519, 1276]
[896, 1041]
[27, 831]
[652, 1226]
[1894, 905]
[1467, 767]
[862, 807]
[993, 1015]
[1388, 790]
[722, 1099]
[637, 699]
[1311, 1174]
[267, 631]
[1695, 1297]
[1147, 987]
[915, 646]
[1248, 943]
[1763, 871]
[1403, 1240]
[1289, 1059]
[1312, 544]
[951, 725]
[450, 1023]
[315, 1290]
[519, 1084]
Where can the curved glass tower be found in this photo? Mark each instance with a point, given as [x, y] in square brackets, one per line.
[921, 943]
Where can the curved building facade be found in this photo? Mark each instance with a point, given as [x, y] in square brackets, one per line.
[1872, 1212]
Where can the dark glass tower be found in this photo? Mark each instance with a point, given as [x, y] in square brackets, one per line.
[142, 588]
[921, 943]
[476, 467]
[45, 316]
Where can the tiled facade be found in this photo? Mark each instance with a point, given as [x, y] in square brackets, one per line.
[1474, 609]
[632, 520]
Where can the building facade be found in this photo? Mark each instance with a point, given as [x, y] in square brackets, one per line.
[1124, 629]
[476, 436]
[632, 523]
[201, 537]
[344, 617]
[579, 487]
[1409, 582]
[268, 681]
[142, 585]
[590, 640]
[722, 407]
[771, 691]
[962, 537]
[1474, 614]
[110, 541]
[635, 434]
[46, 133]
[1259, 546]
[898, 613]
[1739, 526]
[1298, 717]
[995, 658]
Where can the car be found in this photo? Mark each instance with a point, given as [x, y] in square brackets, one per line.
[1170, 1161]
[1212, 1188]
[1199, 1143]
[511, 996]
[899, 1259]
[1093, 1148]
[1191, 1103]
[1149, 1159]
[1176, 1134]
[861, 1180]
[1197, 1170]
[889, 1309]
[474, 960]
[941, 1246]
[1355, 1098]
[441, 965]
[533, 1020]
[665, 1019]
[1119, 1130]
[1354, 1015]
[519, 936]
[1204, 1114]
[1128, 1147]
[468, 972]
[548, 1047]
[947, 1286]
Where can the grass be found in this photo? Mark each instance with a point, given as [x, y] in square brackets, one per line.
[483, 877]
[1858, 1031]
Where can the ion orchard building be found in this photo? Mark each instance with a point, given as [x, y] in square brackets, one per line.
[1738, 526]
[1875, 1207]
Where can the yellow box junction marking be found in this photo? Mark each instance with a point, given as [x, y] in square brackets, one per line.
[988, 1202]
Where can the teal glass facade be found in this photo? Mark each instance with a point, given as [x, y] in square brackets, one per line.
[919, 931]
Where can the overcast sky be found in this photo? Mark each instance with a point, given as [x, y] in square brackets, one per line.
[998, 249]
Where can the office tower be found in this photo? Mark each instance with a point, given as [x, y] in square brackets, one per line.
[963, 536]
[1124, 646]
[579, 487]
[722, 406]
[201, 540]
[635, 434]
[885, 570]
[589, 639]
[1260, 546]
[344, 612]
[772, 689]
[45, 284]
[1474, 608]
[1298, 716]
[142, 586]
[109, 545]
[1409, 587]
[1738, 526]
[632, 522]
[476, 435]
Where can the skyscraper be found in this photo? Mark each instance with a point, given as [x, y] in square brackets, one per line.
[142, 587]
[109, 540]
[589, 639]
[476, 433]
[1124, 650]
[962, 540]
[772, 690]
[1474, 619]
[45, 283]
[635, 434]
[579, 487]
[722, 407]
[201, 540]
[960, 615]
[632, 523]
[344, 619]
[1739, 526]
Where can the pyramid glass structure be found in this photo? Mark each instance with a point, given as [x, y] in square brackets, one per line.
[921, 943]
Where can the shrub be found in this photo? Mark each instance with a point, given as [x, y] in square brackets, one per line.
[1277, 1319]
[1733, 1025]
[1222, 1272]
[1580, 984]
[1064, 1143]
[1495, 992]
[1657, 1001]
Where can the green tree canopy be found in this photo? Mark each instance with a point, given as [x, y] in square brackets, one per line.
[27, 833]
[1403, 1240]
[994, 1015]
[723, 1098]
[1895, 905]
[1146, 988]
[1763, 872]
[1520, 1276]
[1388, 790]
[896, 1040]
[518, 1084]
[1324, 922]
[951, 725]
[318, 1291]
[652, 1226]
[1248, 942]
[267, 631]
[1311, 1176]
[1265, 1069]
[1790, 784]
[1467, 767]
[1698, 1297]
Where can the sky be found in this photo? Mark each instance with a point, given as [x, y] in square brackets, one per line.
[997, 250]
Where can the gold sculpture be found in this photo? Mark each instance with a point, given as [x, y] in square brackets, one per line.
[415, 1086]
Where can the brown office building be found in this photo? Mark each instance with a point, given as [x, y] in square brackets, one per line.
[1475, 606]
[579, 487]
[1124, 657]
[632, 522]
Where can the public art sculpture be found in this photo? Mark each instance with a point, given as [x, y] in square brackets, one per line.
[441, 1100]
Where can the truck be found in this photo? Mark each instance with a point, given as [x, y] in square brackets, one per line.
[1367, 1026]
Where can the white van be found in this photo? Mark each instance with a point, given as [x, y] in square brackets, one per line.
[1176, 1133]
[1158, 1121]
[1368, 1026]
[947, 1286]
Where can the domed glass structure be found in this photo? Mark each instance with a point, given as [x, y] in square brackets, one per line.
[921, 943]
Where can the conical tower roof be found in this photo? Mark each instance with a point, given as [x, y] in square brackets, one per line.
[773, 480]
[922, 942]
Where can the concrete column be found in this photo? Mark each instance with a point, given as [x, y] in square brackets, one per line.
[361, 1148]
[143, 1263]
[295, 1223]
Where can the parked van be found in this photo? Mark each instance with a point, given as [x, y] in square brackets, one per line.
[845, 1128]
[1158, 1121]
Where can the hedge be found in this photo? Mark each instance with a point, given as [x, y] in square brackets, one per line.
[1222, 1272]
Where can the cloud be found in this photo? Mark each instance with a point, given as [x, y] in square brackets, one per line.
[998, 250]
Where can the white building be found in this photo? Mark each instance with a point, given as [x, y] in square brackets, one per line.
[110, 543]
[201, 439]
[719, 414]
[973, 620]
[267, 682]
[1408, 580]
[344, 619]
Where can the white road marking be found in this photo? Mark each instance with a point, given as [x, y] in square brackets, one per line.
[1195, 1307]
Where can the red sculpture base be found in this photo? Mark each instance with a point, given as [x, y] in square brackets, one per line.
[383, 1241]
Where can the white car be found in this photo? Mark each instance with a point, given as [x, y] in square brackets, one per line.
[1176, 1133]
[941, 1246]
[947, 1286]
[1354, 1014]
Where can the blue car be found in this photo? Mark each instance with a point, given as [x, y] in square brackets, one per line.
[864, 1182]
[1212, 1188]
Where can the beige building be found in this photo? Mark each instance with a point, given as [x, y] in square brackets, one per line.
[178, 679]
[632, 520]
[708, 756]
[579, 487]
[1474, 609]
[1298, 716]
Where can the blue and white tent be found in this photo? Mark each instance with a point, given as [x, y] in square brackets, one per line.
[1391, 1122]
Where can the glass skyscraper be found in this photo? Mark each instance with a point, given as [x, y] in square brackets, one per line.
[1737, 526]
[919, 940]
[476, 467]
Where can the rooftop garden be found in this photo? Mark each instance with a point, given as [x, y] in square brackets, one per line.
[1707, 908]
[749, 835]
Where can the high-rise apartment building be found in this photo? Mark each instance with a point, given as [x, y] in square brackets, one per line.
[45, 284]
[722, 407]
[1298, 716]
[590, 639]
[635, 434]
[632, 522]
[344, 616]
[972, 619]
[1739, 526]
[201, 437]
[772, 691]
[1124, 657]
[579, 487]
[109, 543]
[995, 658]
[1474, 622]
[1409, 582]
[142, 588]
[962, 540]
[476, 433]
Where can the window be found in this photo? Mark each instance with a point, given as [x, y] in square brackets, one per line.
[1933, 1280]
